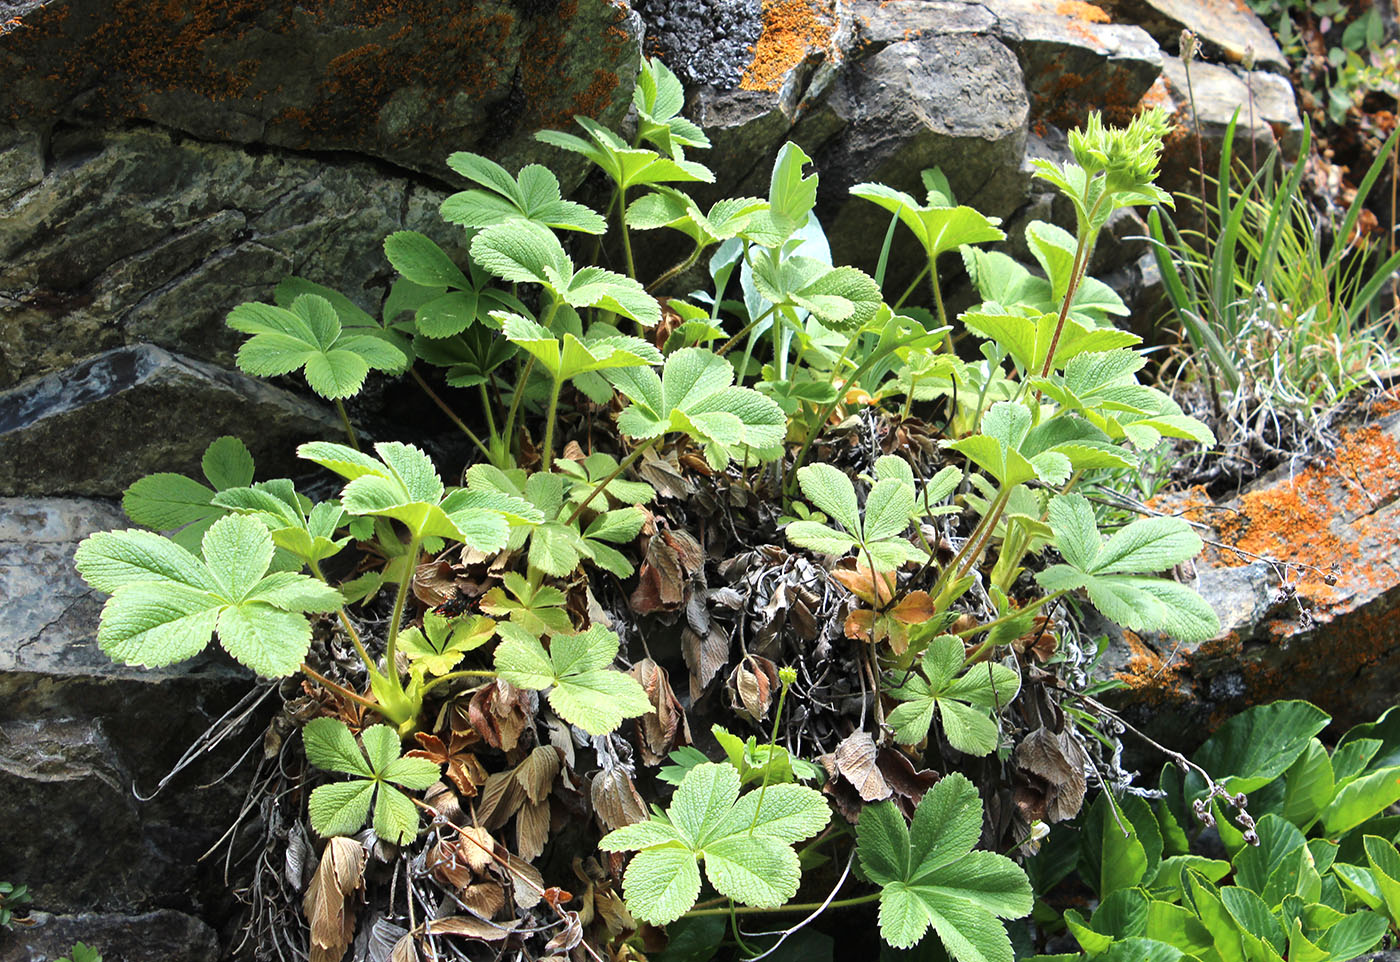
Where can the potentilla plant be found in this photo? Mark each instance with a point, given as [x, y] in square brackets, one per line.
[533, 331]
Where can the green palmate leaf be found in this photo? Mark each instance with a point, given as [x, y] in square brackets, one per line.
[166, 602]
[526, 252]
[665, 207]
[659, 98]
[440, 645]
[577, 669]
[1028, 339]
[533, 195]
[965, 701]
[309, 337]
[930, 876]
[403, 484]
[842, 298]
[938, 228]
[568, 356]
[627, 166]
[309, 535]
[694, 395]
[1101, 569]
[173, 502]
[538, 611]
[888, 509]
[341, 808]
[744, 842]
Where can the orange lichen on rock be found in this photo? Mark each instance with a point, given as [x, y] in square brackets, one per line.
[1325, 518]
[1082, 11]
[792, 29]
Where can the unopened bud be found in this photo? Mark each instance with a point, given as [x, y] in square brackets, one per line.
[1188, 46]
[787, 675]
[1249, 57]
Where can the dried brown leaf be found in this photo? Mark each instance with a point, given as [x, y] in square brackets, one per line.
[527, 884]
[531, 829]
[704, 655]
[661, 731]
[499, 713]
[501, 798]
[665, 476]
[570, 936]
[751, 686]
[404, 950]
[486, 899]
[472, 928]
[1058, 761]
[536, 774]
[616, 800]
[340, 874]
[856, 761]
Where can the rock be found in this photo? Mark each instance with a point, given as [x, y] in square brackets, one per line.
[408, 82]
[954, 102]
[162, 936]
[1221, 92]
[1075, 61]
[705, 42]
[874, 25]
[78, 733]
[96, 427]
[1225, 28]
[1335, 644]
[143, 236]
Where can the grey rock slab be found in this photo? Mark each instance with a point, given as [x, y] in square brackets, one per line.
[96, 427]
[140, 235]
[874, 24]
[1226, 27]
[78, 734]
[407, 81]
[1075, 63]
[1268, 116]
[160, 936]
[954, 102]
[705, 42]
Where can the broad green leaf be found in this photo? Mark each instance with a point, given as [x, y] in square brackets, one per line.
[422, 261]
[342, 808]
[694, 396]
[938, 228]
[534, 195]
[583, 687]
[1308, 786]
[1113, 856]
[166, 502]
[110, 560]
[1360, 799]
[1384, 861]
[929, 876]
[271, 642]
[1028, 339]
[963, 700]
[746, 847]
[1254, 747]
[156, 624]
[309, 337]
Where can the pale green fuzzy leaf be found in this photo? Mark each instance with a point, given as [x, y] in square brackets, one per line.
[1076, 532]
[791, 196]
[888, 507]
[422, 261]
[343, 460]
[967, 729]
[395, 816]
[598, 701]
[1028, 339]
[413, 469]
[381, 745]
[930, 877]
[294, 592]
[165, 502]
[413, 773]
[747, 858]
[753, 869]
[237, 550]
[155, 625]
[832, 492]
[227, 463]
[1147, 545]
[661, 884]
[271, 642]
[818, 538]
[618, 526]
[329, 745]
[522, 252]
[522, 660]
[596, 287]
[110, 559]
[341, 808]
